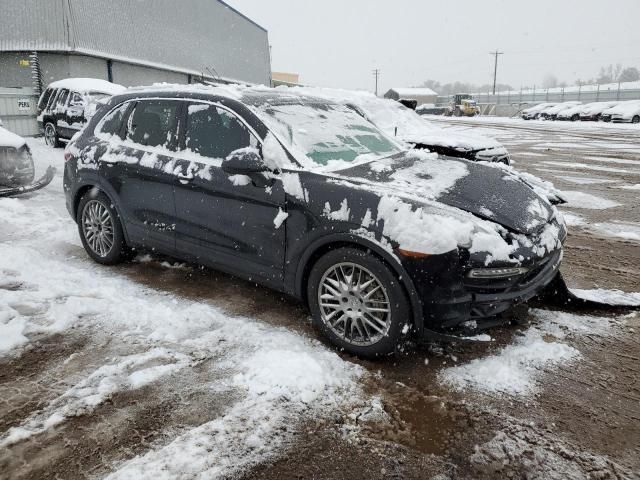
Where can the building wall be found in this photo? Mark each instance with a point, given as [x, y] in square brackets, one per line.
[133, 75]
[191, 36]
[84, 66]
[53, 66]
[12, 72]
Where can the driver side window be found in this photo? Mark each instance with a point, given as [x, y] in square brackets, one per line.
[214, 132]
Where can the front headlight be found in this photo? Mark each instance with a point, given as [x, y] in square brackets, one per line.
[497, 272]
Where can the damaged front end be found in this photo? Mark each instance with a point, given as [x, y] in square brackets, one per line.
[17, 172]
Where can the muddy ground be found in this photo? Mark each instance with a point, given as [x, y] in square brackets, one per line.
[583, 422]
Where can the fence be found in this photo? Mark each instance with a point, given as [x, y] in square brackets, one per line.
[509, 103]
[18, 110]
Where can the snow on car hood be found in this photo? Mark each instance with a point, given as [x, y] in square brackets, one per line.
[489, 193]
[10, 139]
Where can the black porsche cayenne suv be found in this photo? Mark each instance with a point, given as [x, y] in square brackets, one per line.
[307, 197]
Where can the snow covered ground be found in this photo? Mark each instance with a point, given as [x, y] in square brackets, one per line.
[244, 387]
[48, 286]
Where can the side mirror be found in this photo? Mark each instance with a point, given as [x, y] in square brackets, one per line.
[244, 162]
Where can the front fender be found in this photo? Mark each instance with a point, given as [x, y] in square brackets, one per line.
[353, 238]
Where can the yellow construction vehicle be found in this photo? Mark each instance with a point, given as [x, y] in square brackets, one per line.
[462, 104]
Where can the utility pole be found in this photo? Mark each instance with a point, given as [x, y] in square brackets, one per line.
[495, 67]
[376, 73]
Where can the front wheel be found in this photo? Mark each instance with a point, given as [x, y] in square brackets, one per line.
[357, 302]
[635, 119]
[51, 137]
[100, 229]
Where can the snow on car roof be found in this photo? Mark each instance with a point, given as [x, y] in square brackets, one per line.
[10, 139]
[411, 91]
[628, 107]
[86, 85]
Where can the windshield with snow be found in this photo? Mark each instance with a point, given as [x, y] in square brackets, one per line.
[328, 133]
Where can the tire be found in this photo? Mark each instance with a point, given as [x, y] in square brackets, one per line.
[635, 119]
[356, 334]
[51, 137]
[96, 215]
[457, 113]
[575, 118]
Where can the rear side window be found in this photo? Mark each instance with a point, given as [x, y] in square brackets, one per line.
[44, 99]
[62, 98]
[52, 98]
[214, 132]
[153, 123]
[112, 122]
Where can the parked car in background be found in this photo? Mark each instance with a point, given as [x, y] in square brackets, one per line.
[17, 170]
[305, 196]
[66, 105]
[430, 109]
[593, 111]
[625, 112]
[407, 126]
[571, 114]
[550, 113]
[532, 113]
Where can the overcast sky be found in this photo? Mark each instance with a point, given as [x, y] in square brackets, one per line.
[338, 43]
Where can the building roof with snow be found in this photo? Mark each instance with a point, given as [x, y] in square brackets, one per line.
[412, 93]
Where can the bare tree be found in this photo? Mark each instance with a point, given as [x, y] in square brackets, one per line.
[629, 74]
[550, 81]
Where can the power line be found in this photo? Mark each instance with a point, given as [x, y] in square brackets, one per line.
[376, 73]
[495, 68]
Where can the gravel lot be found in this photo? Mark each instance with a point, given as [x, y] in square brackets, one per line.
[164, 370]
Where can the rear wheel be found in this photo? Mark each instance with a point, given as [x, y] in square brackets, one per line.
[635, 119]
[51, 135]
[100, 229]
[575, 118]
[357, 302]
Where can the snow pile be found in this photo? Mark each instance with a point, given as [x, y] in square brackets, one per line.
[419, 231]
[273, 377]
[542, 454]
[609, 297]
[588, 201]
[12, 329]
[515, 368]
[10, 139]
[626, 231]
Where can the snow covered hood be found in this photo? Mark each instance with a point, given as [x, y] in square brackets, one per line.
[488, 193]
[10, 139]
